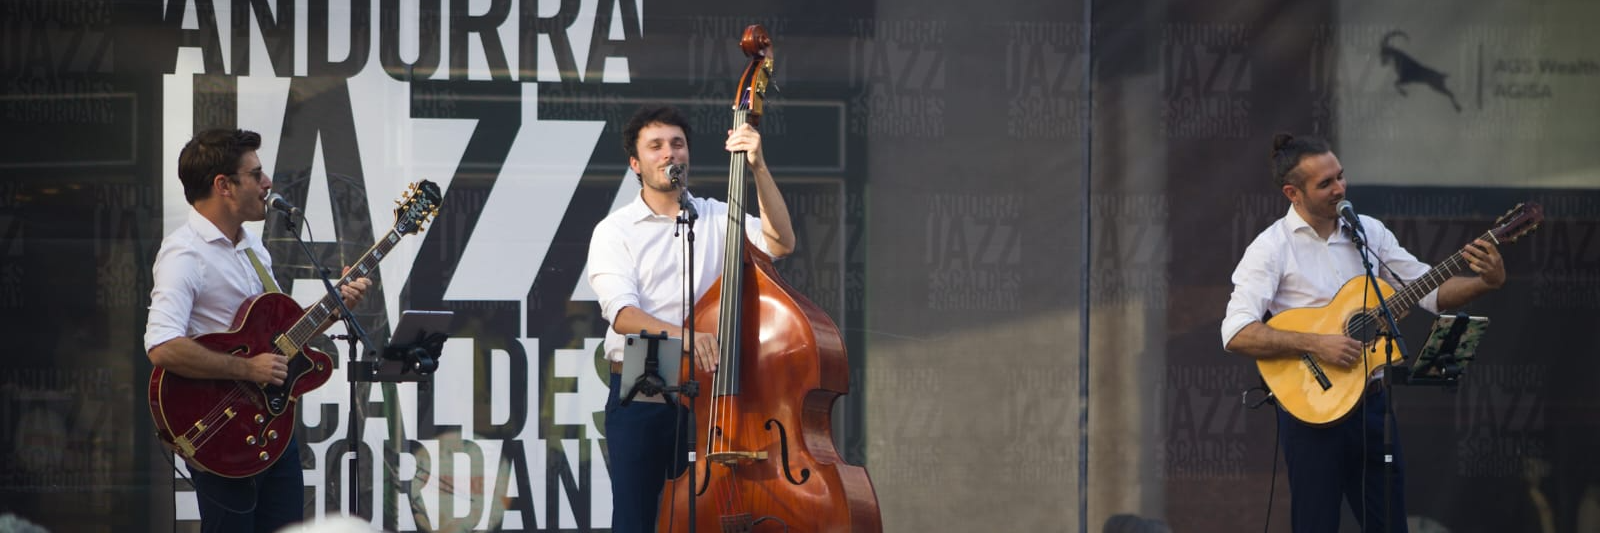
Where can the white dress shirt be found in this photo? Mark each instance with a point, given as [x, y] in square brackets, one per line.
[634, 260]
[1288, 266]
[200, 278]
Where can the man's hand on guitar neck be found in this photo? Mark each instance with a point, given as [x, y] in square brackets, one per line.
[1483, 258]
[353, 292]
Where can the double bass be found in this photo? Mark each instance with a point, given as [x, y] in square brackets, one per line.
[764, 428]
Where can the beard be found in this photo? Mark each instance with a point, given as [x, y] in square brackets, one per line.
[661, 184]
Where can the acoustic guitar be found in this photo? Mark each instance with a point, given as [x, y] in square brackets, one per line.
[1319, 394]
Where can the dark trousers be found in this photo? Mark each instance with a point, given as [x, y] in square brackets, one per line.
[262, 503]
[1327, 466]
[639, 443]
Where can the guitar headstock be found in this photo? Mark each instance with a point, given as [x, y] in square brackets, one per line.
[1518, 222]
[417, 206]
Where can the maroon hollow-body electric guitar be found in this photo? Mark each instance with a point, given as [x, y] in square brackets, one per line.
[237, 429]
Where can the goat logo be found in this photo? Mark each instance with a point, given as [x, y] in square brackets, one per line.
[1408, 70]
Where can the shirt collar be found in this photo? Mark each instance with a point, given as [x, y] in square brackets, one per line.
[203, 226]
[1341, 233]
[209, 232]
[638, 211]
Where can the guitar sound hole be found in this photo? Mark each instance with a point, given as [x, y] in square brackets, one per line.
[1363, 326]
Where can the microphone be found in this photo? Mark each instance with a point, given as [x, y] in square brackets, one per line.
[276, 201]
[1349, 213]
[675, 171]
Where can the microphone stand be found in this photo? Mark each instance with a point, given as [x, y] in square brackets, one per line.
[1358, 234]
[687, 215]
[354, 333]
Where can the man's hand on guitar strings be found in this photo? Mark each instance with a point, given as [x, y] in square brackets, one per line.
[1336, 350]
[704, 350]
[267, 368]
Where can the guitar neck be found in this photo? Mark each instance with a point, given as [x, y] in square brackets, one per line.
[1405, 298]
[325, 307]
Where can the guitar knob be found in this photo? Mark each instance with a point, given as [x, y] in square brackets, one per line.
[260, 419]
[272, 434]
[264, 456]
[250, 440]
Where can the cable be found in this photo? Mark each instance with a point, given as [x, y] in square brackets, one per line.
[174, 491]
[1084, 282]
[253, 500]
[1277, 446]
[1366, 373]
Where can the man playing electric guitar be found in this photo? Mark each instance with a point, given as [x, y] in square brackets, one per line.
[1302, 261]
[204, 271]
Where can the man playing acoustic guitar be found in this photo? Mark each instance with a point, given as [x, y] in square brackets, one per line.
[1302, 261]
[204, 271]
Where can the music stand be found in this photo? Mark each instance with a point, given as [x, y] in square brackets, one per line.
[1451, 347]
[413, 350]
[649, 365]
[411, 356]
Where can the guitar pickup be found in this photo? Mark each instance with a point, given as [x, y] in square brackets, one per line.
[1316, 371]
[286, 346]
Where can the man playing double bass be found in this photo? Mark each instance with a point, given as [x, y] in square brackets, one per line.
[636, 269]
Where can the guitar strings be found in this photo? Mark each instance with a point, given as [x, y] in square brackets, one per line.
[1406, 297]
[212, 428]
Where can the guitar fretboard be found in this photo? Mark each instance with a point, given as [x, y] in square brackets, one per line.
[1404, 299]
[728, 326]
[325, 307]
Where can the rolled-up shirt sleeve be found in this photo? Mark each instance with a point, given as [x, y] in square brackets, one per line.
[1255, 281]
[176, 277]
[754, 231]
[611, 272]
